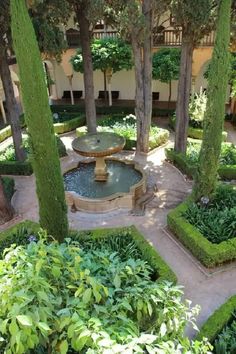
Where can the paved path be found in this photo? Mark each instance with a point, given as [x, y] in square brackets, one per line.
[207, 290]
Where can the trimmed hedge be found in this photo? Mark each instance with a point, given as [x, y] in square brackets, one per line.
[5, 133]
[209, 254]
[24, 168]
[196, 133]
[218, 320]
[109, 110]
[147, 250]
[130, 144]
[67, 126]
[9, 187]
[193, 132]
[226, 172]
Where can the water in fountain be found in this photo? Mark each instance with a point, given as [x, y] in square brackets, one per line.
[121, 177]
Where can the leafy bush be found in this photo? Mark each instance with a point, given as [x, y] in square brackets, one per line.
[227, 156]
[215, 219]
[197, 108]
[8, 154]
[225, 342]
[59, 296]
[126, 126]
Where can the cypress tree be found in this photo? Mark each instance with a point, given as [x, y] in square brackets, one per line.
[206, 179]
[44, 154]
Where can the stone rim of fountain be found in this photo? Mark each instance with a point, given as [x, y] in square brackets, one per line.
[118, 200]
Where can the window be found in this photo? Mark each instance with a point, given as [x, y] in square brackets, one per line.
[73, 38]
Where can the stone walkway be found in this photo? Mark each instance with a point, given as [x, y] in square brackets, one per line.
[208, 289]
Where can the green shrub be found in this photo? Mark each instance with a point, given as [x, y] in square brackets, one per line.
[225, 342]
[206, 252]
[61, 297]
[9, 165]
[104, 110]
[197, 108]
[9, 187]
[218, 320]
[5, 133]
[188, 163]
[126, 127]
[215, 219]
[69, 125]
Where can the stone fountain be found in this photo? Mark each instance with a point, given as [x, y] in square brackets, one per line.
[102, 184]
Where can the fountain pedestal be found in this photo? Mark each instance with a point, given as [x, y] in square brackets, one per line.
[100, 171]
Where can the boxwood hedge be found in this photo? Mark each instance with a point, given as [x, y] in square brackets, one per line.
[227, 172]
[25, 168]
[209, 254]
[218, 320]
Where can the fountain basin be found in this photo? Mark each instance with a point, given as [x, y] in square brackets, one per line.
[126, 182]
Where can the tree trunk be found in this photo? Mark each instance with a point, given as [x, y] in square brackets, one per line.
[184, 89]
[143, 79]
[6, 210]
[206, 178]
[105, 86]
[170, 92]
[11, 104]
[90, 108]
[70, 78]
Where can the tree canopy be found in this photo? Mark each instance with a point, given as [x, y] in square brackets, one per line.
[107, 53]
[166, 64]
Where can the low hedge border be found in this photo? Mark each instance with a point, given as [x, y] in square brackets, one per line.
[69, 125]
[226, 172]
[5, 133]
[147, 250]
[19, 168]
[130, 144]
[196, 133]
[156, 112]
[208, 253]
[217, 321]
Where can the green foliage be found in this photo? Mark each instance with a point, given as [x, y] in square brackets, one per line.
[44, 154]
[9, 187]
[218, 320]
[156, 112]
[225, 342]
[107, 53]
[206, 177]
[166, 64]
[61, 296]
[18, 235]
[196, 18]
[69, 124]
[216, 219]
[208, 253]
[126, 127]
[5, 133]
[8, 154]
[197, 108]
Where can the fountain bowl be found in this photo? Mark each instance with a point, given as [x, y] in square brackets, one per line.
[110, 202]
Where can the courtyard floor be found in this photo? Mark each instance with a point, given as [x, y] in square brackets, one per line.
[208, 288]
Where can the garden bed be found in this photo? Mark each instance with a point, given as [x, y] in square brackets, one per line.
[208, 231]
[101, 289]
[64, 121]
[106, 110]
[126, 127]
[9, 165]
[188, 163]
[218, 328]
